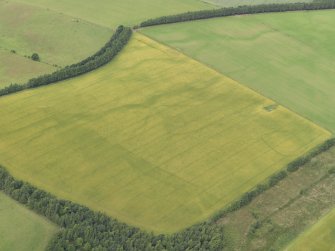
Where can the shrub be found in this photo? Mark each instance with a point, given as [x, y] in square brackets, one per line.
[35, 57]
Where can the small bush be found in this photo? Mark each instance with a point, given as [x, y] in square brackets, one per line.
[35, 57]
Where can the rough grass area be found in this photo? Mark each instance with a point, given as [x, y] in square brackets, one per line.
[275, 218]
[233, 3]
[57, 38]
[289, 57]
[15, 68]
[154, 139]
[21, 229]
[319, 237]
[113, 13]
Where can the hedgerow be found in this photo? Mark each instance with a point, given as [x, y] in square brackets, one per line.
[240, 10]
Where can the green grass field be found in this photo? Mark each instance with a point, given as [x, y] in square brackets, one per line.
[289, 57]
[22, 230]
[58, 39]
[112, 13]
[233, 3]
[320, 237]
[154, 139]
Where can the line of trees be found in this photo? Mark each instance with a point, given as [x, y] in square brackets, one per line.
[84, 229]
[119, 39]
[240, 10]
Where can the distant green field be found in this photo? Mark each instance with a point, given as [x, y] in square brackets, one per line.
[289, 57]
[320, 237]
[154, 139]
[22, 230]
[112, 13]
[58, 39]
[233, 3]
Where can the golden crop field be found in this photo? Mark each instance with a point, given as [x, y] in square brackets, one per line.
[154, 139]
